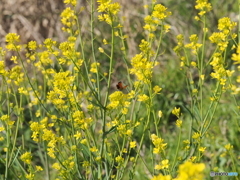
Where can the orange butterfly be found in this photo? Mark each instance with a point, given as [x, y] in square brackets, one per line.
[120, 86]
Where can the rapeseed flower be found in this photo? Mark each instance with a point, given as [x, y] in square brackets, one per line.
[159, 144]
[192, 171]
[26, 157]
[108, 9]
[12, 40]
[162, 177]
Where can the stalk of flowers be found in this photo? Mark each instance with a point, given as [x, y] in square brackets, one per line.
[197, 64]
[16, 88]
[144, 62]
[219, 63]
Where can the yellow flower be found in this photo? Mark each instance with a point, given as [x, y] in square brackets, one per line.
[196, 135]
[176, 112]
[133, 144]
[160, 114]
[157, 89]
[26, 157]
[236, 57]
[93, 149]
[30, 176]
[202, 149]
[73, 2]
[164, 165]
[192, 171]
[32, 45]
[158, 143]
[39, 168]
[101, 50]
[179, 123]
[143, 97]
[56, 166]
[162, 177]
[119, 159]
[94, 67]
[228, 147]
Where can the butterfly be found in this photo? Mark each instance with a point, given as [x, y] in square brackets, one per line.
[120, 86]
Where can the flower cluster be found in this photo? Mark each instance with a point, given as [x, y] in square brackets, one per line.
[119, 100]
[158, 143]
[204, 6]
[186, 171]
[12, 39]
[142, 66]
[225, 25]
[108, 9]
[194, 45]
[157, 18]
[69, 19]
[192, 171]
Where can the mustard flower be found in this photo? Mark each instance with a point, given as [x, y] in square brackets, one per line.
[193, 159]
[161, 177]
[68, 18]
[176, 112]
[119, 159]
[72, 2]
[129, 132]
[78, 118]
[12, 39]
[2, 68]
[32, 45]
[86, 164]
[78, 135]
[226, 25]
[179, 123]
[30, 176]
[93, 149]
[204, 6]
[192, 171]
[2, 53]
[220, 73]
[105, 41]
[196, 135]
[180, 44]
[110, 9]
[118, 100]
[133, 144]
[186, 144]
[39, 168]
[142, 68]
[125, 110]
[144, 46]
[122, 129]
[166, 28]
[163, 165]
[94, 67]
[228, 147]
[22, 91]
[202, 149]
[2, 128]
[194, 91]
[26, 157]
[160, 12]
[236, 56]
[143, 97]
[160, 114]
[156, 89]
[51, 152]
[193, 45]
[158, 143]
